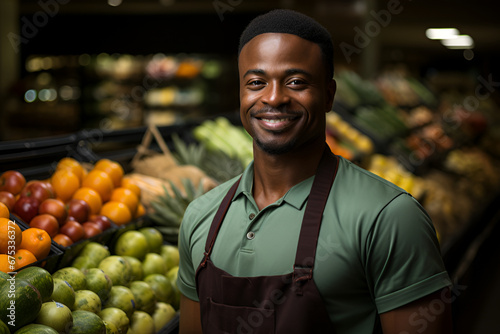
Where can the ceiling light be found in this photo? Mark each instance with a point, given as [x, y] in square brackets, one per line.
[441, 33]
[459, 42]
[114, 3]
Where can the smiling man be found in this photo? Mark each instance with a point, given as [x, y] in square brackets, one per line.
[305, 241]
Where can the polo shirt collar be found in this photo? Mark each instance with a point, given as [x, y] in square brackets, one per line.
[296, 196]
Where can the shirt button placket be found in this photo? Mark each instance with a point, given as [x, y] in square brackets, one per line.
[251, 235]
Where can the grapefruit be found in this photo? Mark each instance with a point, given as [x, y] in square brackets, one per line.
[162, 315]
[121, 297]
[144, 296]
[132, 243]
[170, 254]
[63, 293]
[136, 266]
[55, 315]
[73, 276]
[98, 282]
[117, 269]
[95, 251]
[162, 287]
[142, 323]
[87, 300]
[117, 317]
[153, 264]
[154, 237]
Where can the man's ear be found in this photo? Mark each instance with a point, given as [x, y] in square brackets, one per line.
[331, 89]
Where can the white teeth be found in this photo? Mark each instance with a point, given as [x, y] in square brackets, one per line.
[274, 120]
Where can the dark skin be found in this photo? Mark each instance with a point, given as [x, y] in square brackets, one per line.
[284, 97]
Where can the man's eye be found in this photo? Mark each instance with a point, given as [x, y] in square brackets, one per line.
[255, 83]
[296, 82]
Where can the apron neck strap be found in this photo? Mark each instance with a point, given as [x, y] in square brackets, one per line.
[219, 217]
[311, 223]
[306, 251]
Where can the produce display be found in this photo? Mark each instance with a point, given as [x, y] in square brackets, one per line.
[220, 135]
[429, 143]
[129, 289]
[113, 227]
[75, 203]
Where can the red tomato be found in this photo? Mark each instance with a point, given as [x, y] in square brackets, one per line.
[46, 222]
[73, 229]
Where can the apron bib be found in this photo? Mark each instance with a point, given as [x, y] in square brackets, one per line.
[280, 304]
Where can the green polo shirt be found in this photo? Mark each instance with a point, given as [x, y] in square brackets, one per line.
[377, 248]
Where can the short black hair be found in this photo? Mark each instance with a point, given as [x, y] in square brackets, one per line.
[288, 21]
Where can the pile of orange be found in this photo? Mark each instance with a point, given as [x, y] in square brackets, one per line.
[103, 187]
[20, 248]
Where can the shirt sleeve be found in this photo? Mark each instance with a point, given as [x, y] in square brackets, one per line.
[186, 280]
[404, 260]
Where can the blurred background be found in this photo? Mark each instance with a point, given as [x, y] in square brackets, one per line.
[72, 64]
[417, 101]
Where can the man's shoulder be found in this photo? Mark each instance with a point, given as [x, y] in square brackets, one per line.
[360, 180]
[213, 195]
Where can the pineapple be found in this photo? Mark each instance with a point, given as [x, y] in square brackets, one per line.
[216, 164]
[169, 208]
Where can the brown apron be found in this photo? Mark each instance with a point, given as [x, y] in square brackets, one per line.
[281, 304]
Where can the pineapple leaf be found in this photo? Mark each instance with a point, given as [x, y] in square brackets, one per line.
[191, 154]
[168, 217]
[170, 234]
[190, 190]
[177, 192]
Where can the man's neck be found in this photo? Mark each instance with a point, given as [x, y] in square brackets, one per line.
[275, 175]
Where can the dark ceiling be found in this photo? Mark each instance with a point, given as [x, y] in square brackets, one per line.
[397, 26]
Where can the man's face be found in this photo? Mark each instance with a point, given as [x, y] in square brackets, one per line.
[284, 93]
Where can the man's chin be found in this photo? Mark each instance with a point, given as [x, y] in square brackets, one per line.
[273, 148]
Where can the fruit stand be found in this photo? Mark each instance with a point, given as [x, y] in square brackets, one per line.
[105, 202]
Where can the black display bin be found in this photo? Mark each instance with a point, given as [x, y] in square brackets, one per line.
[51, 261]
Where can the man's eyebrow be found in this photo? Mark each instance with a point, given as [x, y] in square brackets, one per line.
[254, 71]
[290, 71]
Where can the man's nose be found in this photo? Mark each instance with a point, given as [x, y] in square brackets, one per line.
[275, 95]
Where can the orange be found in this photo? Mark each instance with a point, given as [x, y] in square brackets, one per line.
[141, 211]
[127, 182]
[7, 263]
[4, 211]
[118, 212]
[127, 197]
[72, 165]
[10, 236]
[112, 168]
[23, 258]
[65, 184]
[37, 241]
[63, 240]
[90, 196]
[101, 182]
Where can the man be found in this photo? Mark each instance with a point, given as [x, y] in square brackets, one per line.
[305, 241]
